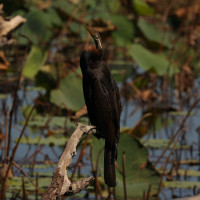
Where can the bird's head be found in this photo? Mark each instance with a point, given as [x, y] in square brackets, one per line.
[96, 37]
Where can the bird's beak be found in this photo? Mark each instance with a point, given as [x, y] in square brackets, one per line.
[92, 32]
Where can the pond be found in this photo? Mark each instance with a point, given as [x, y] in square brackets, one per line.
[43, 142]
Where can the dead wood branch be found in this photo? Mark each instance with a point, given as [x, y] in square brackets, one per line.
[61, 184]
[8, 26]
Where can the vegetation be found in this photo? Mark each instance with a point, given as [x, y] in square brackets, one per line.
[152, 50]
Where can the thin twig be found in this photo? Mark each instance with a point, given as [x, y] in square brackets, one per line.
[37, 186]
[15, 96]
[139, 122]
[96, 180]
[178, 131]
[172, 149]
[25, 174]
[3, 187]
[148, 192]
[24, 189]
[161, 180]
[94, 173]
[6, 135]
[124, 174]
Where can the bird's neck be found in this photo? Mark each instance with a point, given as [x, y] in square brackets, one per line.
[99, 48]
[98, 44]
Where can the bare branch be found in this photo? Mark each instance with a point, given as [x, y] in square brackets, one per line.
[7, 26]
[61, 184]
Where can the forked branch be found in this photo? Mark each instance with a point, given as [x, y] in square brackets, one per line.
[61, 184]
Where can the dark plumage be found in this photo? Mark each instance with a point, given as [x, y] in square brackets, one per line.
[103, 103]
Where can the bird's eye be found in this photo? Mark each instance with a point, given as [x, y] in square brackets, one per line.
[97, 36]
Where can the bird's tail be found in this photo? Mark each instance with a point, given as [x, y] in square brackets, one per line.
[109, 167]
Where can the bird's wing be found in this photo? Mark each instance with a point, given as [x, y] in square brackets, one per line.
[107, 107]
[88, 95]
[116, 107]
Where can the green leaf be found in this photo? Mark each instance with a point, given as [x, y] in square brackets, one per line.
[181, 113]
[26, 111]
[35, 59]
[139, 171]
[181, 172]
[51, 140]
[54, 121]
[16, 183]
[114, 5]
[152, 33]
[98, 12]
[122, 71]
[70, 93]
[142, 8]
[125, 30]
[151, 61]
[3, 96]
[66, 6]
[161, 143]
[80, 30]
[53, 16]
[37, 27]
[182, 184]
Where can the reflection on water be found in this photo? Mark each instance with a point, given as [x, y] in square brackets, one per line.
[163, 127]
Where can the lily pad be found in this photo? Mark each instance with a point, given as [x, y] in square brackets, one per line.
[121, 71]
[51, 140]
[181, 172]
[182, 184]
[69, 94]
[139, 171]
[151, 61]
[37, 26]
[161, 143]
[142, 8]
[35, 59]
[55, 122]
[125, 30]
[152, 33]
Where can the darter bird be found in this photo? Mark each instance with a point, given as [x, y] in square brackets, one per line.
[103, 102]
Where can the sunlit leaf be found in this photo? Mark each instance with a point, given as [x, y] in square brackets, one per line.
[26, 111]
[16, 183]
[53, 16]
[37, 27]
[151, 61]
[139, 171]
[125, 30]
[121, 72]
[53, 121]
[189, 162]
[35, 59]
[152, 33]
[3, 96]
[181, 113]
[181, 172]
[66, 6]
[41, 166]
[80, 30]
[142, 7]
[37, 89]
[161, 143]
[114, 5]
[51, 140]
[182, 184]
[69, 94]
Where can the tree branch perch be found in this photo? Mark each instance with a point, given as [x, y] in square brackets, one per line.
[61, 184]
